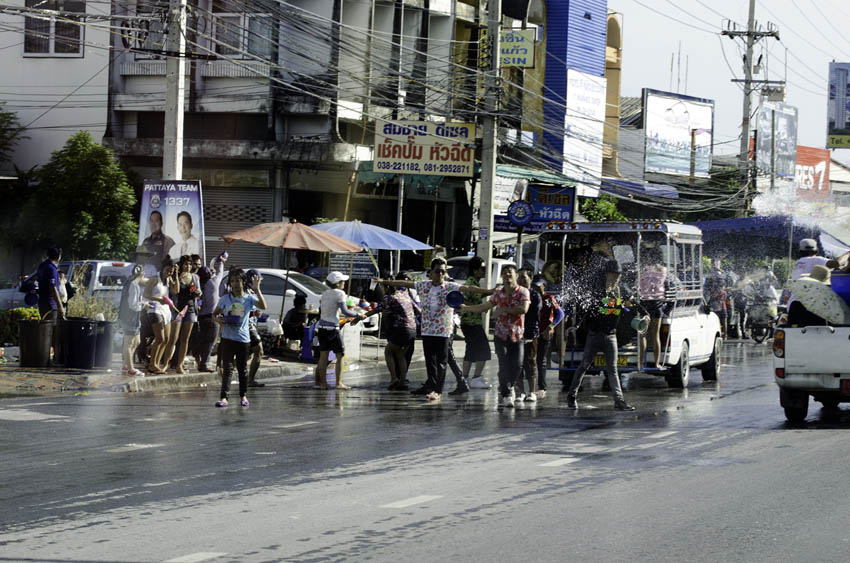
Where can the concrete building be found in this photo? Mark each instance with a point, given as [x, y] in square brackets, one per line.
[54, 64]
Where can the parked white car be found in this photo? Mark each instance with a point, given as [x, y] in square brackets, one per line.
[276, 282]
[101, 278]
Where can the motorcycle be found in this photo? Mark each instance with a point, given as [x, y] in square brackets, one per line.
[763, 314]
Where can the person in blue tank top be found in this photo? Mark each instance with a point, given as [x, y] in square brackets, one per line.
[232, 313]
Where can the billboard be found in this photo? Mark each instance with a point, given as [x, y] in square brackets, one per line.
[838, 106]
[811, 174]
[781, 119]
[171, 221]
[425, 147]
[669, 120]
[584, 126]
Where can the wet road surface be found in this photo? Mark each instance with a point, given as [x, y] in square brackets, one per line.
[707, 473]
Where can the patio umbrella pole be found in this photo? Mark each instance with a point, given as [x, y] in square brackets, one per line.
[285, 285]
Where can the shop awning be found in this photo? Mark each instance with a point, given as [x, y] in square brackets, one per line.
[621, 187]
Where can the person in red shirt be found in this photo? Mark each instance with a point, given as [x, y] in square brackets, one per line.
[509, 303]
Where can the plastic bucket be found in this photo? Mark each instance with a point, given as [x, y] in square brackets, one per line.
[103, 346]
[34, 339]
[840, 283]
[81, 336]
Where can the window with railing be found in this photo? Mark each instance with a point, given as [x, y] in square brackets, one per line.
[52, 28]
[241, 35]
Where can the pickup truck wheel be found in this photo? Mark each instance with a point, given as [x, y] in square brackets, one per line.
[678, 376]
[796, 414]
[710, 368]
[829, 403]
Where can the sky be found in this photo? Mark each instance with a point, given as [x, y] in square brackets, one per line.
[809, 29]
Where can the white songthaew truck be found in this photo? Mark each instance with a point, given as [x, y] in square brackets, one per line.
[811, 361]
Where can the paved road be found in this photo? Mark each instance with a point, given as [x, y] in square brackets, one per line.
[708, 473]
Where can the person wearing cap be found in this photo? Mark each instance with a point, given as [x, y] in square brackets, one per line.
[606, 304]
[549, 308]
[437, 324]
[510, 304]
[530, 340]
[331, 304]
[210, 277]
[130, 317]
[808, 259]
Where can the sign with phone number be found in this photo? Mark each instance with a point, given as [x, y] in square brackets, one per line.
[425, 147]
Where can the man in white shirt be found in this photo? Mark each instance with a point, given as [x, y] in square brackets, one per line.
[808, 260]
[188, 244]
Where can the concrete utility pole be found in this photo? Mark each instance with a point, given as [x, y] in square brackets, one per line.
[489, 142]
[751, 36]
[175, 91]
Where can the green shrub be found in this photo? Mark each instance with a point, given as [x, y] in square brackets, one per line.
[9, 323]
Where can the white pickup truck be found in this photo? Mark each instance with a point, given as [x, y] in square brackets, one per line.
[101, 278]
[811, 361]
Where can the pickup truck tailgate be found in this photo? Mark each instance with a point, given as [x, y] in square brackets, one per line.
[817, 349]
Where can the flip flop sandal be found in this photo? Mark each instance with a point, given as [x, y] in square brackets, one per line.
[222, 403]
[245, 403]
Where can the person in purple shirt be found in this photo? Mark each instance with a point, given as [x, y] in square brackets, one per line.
[49, 302]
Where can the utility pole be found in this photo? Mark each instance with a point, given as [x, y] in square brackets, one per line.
[489, 142]
[751, 35]
[175, 91]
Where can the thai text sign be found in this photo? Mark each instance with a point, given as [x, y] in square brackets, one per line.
[516, 48]
[552, 203]
[811, 173]
[360, 264]
[425, 147]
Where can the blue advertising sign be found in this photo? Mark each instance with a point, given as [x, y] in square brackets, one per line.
[171, 221]
[552, 203]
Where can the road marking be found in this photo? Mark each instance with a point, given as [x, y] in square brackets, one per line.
[265, 453]
[133, 447]
[196, 557]
[587, 448]
[644, 446]
[30, 405]
[19, 415]
[559, 462]
[295, 424]
[411, 501]
[662, 434]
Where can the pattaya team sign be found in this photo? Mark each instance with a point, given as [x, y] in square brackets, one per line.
[425, 147]
[171, 221]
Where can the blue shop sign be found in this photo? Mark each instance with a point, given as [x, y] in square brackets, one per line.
[520, 213]
[552, 203]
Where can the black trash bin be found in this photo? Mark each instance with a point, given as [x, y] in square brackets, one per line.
[103, 348]
[34, 341]
[81, 337]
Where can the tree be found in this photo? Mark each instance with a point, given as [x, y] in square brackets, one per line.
[602, 208]
[83, 203]
[10, 134]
